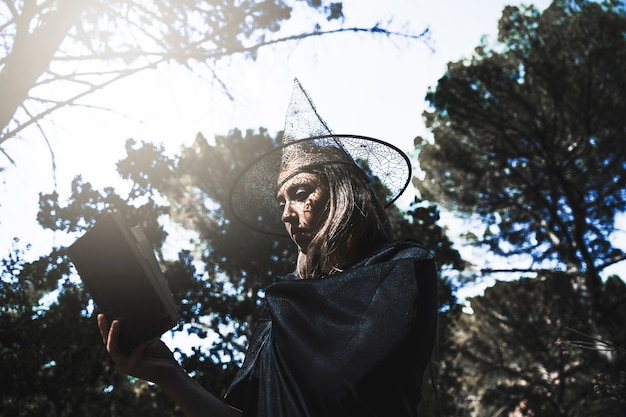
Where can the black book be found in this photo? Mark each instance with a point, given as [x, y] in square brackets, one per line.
[121, 273]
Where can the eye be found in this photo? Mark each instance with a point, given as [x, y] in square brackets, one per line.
[302, 193]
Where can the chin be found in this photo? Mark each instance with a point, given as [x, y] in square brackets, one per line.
[303, 248]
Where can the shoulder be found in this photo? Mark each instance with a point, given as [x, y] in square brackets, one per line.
[397, 250]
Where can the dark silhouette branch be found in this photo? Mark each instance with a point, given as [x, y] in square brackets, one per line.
[156, 58]
[375, 30]
[612, 261]
[523, 270]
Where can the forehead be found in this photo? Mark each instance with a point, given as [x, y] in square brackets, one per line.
[298, 179]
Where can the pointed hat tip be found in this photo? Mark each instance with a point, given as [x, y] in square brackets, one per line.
[302, 119]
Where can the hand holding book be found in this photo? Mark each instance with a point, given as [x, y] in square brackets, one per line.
[119, 270]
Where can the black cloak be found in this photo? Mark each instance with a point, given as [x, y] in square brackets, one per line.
[355, 343]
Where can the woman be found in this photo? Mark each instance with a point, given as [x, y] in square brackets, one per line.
[350, 332]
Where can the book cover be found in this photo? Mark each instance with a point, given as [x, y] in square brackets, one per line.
[119, 270]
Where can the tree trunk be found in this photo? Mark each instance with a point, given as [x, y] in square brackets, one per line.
[32, 53]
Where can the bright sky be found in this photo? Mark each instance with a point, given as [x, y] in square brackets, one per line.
[360, 84]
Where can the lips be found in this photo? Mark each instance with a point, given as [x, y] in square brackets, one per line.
[297, 233]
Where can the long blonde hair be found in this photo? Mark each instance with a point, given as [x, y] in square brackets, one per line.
[355, 222]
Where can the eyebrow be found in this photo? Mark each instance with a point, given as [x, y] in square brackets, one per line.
[296, 183]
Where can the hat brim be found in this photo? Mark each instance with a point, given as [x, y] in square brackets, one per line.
[252, 198]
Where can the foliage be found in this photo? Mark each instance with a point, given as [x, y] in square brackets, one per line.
[215, 280]
[528, 360]
[50, 360]
[528, 135]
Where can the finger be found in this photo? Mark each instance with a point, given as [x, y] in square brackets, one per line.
[113, 338]
[103, 325]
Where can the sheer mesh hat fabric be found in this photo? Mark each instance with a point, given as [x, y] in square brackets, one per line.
[308, 144]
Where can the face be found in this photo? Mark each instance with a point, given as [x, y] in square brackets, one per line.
[302, 200]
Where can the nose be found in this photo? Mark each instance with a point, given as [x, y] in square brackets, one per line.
[288, 213]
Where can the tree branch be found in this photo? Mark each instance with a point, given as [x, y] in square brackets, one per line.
[31, 56]
[612, 261]
[526, 270]
[376, 30]
[180, 56]
[72, 100]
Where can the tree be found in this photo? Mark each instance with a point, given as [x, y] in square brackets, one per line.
[50, 364]
[55, 53]
[528, 135]
[216, 281]
[525, 349]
